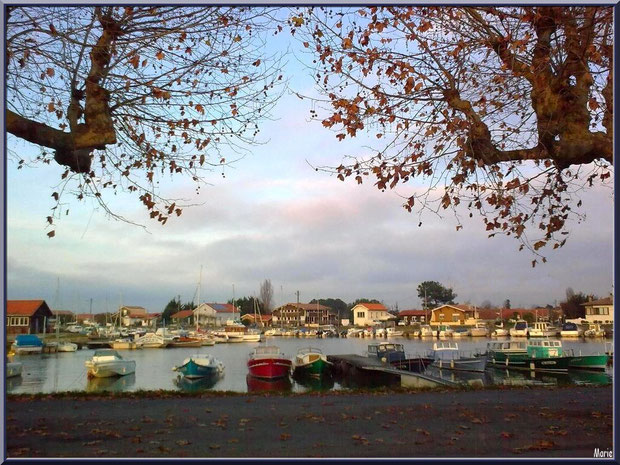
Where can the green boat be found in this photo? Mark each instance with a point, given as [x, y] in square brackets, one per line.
[506, 353]
[546, 355]
[595, 362]
[310, 361]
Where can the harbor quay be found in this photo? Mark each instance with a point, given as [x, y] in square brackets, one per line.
[507, 422]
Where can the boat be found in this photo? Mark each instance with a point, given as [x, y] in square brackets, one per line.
[594, 330]
[426, 331]
[460, 332]
[66, 346]
[541, 329]
[252, 335]
[354, 332]
[108, 362]
[235, 331]
[219, 337]
[125, 344]
[446, 355]
[394, 332]
[200, 366]
[499, 352]
[13, 369]
[546, 355]
[380, 332]
[499, 330]
[592, 362]
[444, 331]
[570, 330]
[269, 363]
[479, 330]
[519, 329]
[394, 355]
[27, 344]
[185, 341]
[310, 361]
[153, 341]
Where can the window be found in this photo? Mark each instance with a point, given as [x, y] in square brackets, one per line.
[455, 317]
[441, 316]
[360, 314]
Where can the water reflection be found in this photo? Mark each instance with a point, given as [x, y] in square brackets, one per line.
[259, 385]
[13, 383]
[312, 383]
[469, 378]
[197, 384]
[517, 377]
[112, 383]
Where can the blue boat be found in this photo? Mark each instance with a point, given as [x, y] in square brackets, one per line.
[27, 344]
[200, 366]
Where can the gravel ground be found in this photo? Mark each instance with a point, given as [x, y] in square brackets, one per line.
[507, 423]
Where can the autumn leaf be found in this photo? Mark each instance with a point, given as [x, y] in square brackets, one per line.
[50, 72]
[297, 21]
[135, 61]
[159, 55]
[51, 234]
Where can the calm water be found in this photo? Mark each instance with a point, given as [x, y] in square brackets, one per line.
[66, 371]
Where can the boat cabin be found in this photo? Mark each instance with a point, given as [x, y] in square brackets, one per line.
[507, 346]
[544, 348]
[569, 327]
[105, 355]
[266, 352]
[521, 325]
[445, 350]
[387, 351]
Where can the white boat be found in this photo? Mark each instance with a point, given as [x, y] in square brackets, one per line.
[479, 330]
[368, 332]
[394, 332]
[446, 355]
[252, 335]
[461, 332]
[380, 332]
[444, 331]
[13, 369]
[519, 329]
[570, 330]
[219, 337]
[152, 341]
[594, 330]
[426, 331]
[108, 362]
[499, 330]
[125, 344]
[541, 329]
[66, 347]
[354, 332]
[235, 331]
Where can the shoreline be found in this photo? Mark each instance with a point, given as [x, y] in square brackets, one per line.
[507, 422]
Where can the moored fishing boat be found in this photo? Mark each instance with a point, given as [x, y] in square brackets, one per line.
[593, 362]
[125, 344]
[108, 362]
[392, 332]
[570, 329]
[66, 346]
[594, 330]
[200, 366]
[426, 331]
[394, 355]
[519, 329]
[446, 355]
[479, 330]
[185, 341]
[310, 361]
[27, 344]
[152, 341]
[268, 362]
[499, 352]
[546, 355]
[444, 331]
[541, 329]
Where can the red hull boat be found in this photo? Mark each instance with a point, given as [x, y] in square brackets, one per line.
[268, 362]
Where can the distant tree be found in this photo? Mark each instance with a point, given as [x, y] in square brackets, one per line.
[245, 305]
[507, 303]
[528, 317]
[486, 304]
[339, 306]
[434, 294]
[266, 295]
[173, 307]
[572, 307]
[103, 318]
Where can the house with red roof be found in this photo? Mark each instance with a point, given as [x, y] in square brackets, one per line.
[183, 318]
[136, 316]
[370, 314]
[454, 314]
[414, 316]
[259, 320]
[28, 317]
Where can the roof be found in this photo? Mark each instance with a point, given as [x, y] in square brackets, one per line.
[25, 307]
[134, 311]
[150, 316]
[182, 314]
[605, 301]
[251, 316]
[403, 313]
[370, 306]
[307, 306]
[492, 313]
[84, 316]
[223, 308]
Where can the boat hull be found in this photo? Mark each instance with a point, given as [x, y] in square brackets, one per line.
[315, 368]
[589, 362]
[25, 350]
[108, 369]
[521, 362]
[194, 369]
[269, 368]
[13, 369]
[463, 364]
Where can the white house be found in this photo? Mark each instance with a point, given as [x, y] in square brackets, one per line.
[136, 316]
[205, 315]
[600, 311]
[367, 314]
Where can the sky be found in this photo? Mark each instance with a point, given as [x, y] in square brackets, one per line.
[272, 216]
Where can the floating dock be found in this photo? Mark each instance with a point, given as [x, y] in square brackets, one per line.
[351, 364]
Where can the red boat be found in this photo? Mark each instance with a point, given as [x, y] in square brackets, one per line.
[269, 363]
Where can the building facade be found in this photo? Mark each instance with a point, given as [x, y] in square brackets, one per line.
[369, 314]
[600, 311]
[28, 317]
[414, 316]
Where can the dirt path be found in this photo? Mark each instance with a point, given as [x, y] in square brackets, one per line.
[540, 422]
